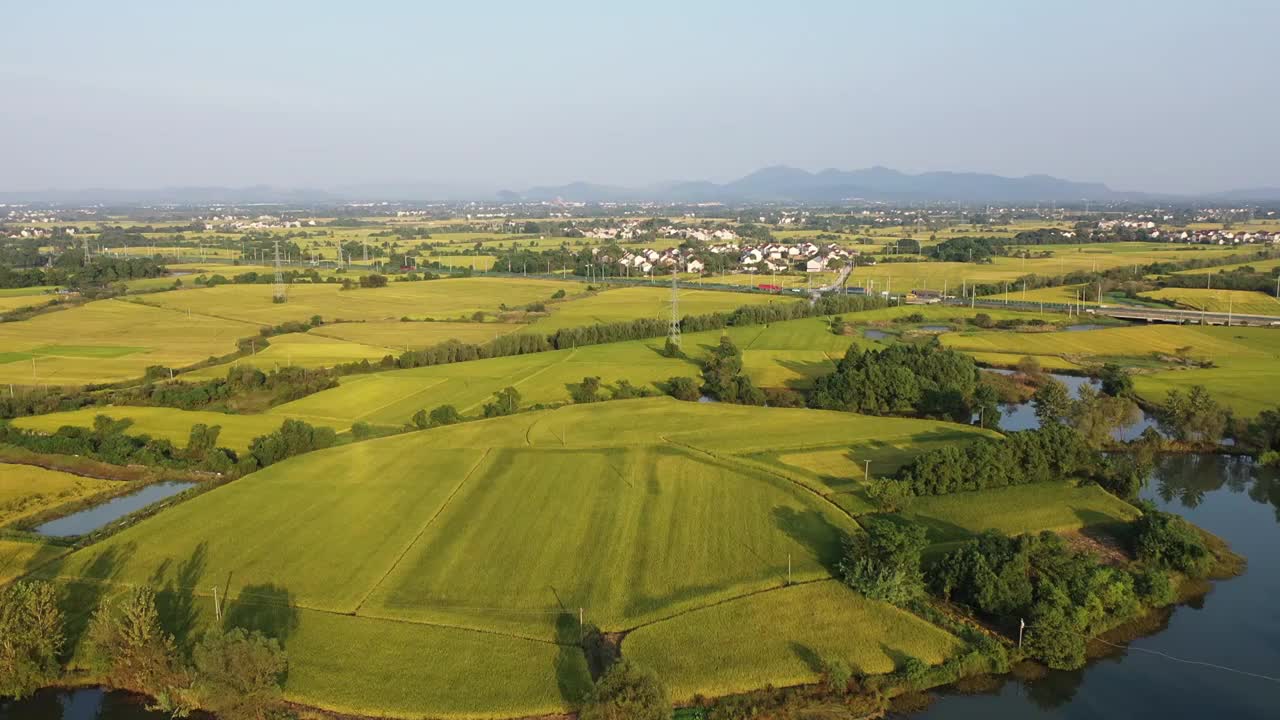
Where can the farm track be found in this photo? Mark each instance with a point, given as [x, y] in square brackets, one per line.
[422, 531]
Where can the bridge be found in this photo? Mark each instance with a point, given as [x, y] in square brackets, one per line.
[1134, 312]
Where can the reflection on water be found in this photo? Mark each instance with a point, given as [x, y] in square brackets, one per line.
[1236, 625]
[873, 334]
[79, 704]
[1022, 416]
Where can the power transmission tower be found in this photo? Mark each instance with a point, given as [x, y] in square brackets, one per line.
[673, 331]
[278, 294]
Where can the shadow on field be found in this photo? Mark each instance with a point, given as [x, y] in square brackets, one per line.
[808, 656]
[573, 677]
[83, 596]
[267, 608]
[811, 529]
[176, 600]
[808, 371]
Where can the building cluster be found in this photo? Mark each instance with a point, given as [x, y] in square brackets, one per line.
[762, 257]
[236, 223]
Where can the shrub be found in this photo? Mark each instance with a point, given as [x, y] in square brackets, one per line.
[1167, 541]
[238, 673]
[884, 562]
[627, 693]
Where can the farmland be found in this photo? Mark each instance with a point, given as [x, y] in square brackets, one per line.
[1243, 359]
[631, 303]
[1243, 302]
[650, 491]
[163, 422]
[110, 340]
[1016, 510]
[26, 490]
[709, 652]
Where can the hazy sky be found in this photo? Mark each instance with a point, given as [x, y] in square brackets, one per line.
[1165, 96]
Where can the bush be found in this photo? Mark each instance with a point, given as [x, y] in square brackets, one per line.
[883, 563]
[238, 673]
[683, 388]
[127, 645]
[627, 693]
[1167, 541]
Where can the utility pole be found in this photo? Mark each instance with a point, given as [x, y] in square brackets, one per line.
[217, 608]
[673, 330]
[278, 293]
[1022, 625]
[866, 473]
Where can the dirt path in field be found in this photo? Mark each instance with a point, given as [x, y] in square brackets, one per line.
[422, 531]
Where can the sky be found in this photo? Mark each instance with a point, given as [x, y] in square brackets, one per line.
[1169, 96]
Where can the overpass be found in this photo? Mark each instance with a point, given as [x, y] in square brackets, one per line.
[1133, 312]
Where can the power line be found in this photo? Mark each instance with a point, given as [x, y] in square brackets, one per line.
[1191, 662]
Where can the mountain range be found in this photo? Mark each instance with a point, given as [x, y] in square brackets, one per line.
[779, 183]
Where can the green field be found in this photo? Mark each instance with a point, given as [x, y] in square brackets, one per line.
[15, 302]
[18, 557]
[631, 303]
[1016, 510]
[1245, 359]
[26, 490]
[780, 638]
[410, 336]
[440, 299]
[111, 340]
[1258, 265]
[1241, 302]
[633, 511]
[300, 350]
[163, 422]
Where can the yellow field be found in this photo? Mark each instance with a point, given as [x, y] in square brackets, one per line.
[1061, 294]
[441, 299]
[169, 423]
[26, 490]
[475, 262]
[18, 557]
[411, 335]
[111, 340]
[1246, 360]
[1259, 265]
[300, 350]
[1245, 302]
[631, 303]
[13, 302]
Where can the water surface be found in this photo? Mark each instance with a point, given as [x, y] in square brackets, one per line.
[1237, 625]
[98, 516]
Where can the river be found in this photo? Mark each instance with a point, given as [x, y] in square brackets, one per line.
[1237, 625]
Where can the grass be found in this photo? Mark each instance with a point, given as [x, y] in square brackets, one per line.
[780, 638]
[1241, 302]
[1244, 359]
[417, 557]
[112, 340]
[1016, 510]
[26, 490]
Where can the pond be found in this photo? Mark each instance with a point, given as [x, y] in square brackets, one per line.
[937, 328]
[1085, 326]
[1022, 416]
[873, 334]
[1232, 635]
[88, 520]
[79, 704]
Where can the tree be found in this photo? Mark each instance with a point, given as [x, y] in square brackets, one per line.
[1116, 381]
[128, 646]
[587, 391]
[1193, 417]
[446, 415]
[627, 692]
[505, 402]
[1165, 540]
[883, 563]
[1052, 402]
[31, 637]
[238, 673]
[420, 420]
[683, 388]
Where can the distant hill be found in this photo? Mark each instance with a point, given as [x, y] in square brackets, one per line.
[778, 183]
[787, 184]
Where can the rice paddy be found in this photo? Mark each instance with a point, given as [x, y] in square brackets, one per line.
[26, 490]
[635, 514]
[1241, 302]
[1016, 510]
[1243, 359]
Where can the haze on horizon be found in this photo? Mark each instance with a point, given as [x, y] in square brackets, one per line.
[1172, 96]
